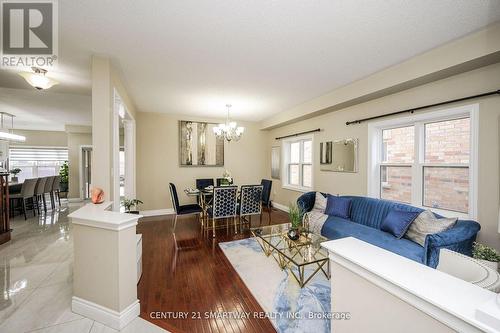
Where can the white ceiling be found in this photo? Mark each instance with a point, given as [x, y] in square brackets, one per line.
[45, 110]
[192, 57]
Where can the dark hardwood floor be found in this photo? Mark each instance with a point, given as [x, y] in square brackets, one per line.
[195, 278]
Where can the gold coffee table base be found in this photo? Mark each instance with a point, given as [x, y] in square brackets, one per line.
[295, 256]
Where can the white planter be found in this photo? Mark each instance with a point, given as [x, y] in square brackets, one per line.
[491, 264]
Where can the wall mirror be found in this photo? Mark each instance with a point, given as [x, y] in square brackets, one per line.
[198, 145]
[339, 155]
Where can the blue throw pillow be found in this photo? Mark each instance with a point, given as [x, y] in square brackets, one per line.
[397, 222]
[338, 206]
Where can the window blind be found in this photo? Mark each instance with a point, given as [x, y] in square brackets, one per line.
[38, 154]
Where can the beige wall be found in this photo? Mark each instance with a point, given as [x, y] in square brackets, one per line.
[42, 138]
[333, 127]
[158, 159]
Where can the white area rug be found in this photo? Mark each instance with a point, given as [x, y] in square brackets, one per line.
[290, 308]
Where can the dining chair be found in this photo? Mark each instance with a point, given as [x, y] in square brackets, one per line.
[266, 195]
[27, 193]
[188, 209]
[47, 190]
[219, 181]
[39, 192]
[250, 202]
[223, 205]
[56, 189]
[202, 183]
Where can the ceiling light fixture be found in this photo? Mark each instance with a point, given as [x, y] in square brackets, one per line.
[6, 133]
[230, 130]
[38, 79]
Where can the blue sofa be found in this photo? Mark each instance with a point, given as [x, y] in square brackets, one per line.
[366, 216]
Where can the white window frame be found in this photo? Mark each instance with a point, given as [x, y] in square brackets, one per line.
[285, 148]
[419, 120]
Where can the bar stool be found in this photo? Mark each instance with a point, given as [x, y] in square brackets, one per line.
[27, 193]
[39, 189]
[56, 189]
[48, 190]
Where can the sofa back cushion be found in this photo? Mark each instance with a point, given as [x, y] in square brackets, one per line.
[338, 206]
[371, 212]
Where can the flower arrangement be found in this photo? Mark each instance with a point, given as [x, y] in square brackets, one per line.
[227, 176]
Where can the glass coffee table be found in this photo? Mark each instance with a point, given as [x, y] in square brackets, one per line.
[296, 255]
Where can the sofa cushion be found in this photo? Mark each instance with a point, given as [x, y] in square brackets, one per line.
[336, 227]
[371, 211]
[319, 203]
[338, 206]
[397, 222]
[427, 223]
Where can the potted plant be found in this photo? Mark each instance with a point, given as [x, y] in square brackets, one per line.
[295, 215]
[64, 174]
[14, 173]
[486, 255]
[129, 203]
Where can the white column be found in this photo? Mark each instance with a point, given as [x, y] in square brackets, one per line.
[105, 265]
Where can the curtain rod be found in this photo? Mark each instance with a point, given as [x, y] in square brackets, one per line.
[297, 134]
[359, 121]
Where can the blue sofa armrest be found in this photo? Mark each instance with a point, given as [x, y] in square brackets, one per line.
[459, 239]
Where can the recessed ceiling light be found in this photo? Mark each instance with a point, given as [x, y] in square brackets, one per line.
[38, 79]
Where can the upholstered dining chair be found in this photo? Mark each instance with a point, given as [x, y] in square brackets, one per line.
[189, 209]
[47, 190]
[266, 195]
[26, 196]
[202, 183]
[56, 189]
[39, 192]
[250, 202]
[223, 205]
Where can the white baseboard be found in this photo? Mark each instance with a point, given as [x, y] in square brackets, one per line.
[106, 316]
[157, 212]
[280, 206]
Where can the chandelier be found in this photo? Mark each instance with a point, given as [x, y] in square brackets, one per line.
[230, 130]
[38, 79]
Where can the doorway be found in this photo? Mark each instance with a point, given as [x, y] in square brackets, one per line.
[85, 172]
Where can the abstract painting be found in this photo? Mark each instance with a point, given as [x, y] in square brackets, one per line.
[198, 145]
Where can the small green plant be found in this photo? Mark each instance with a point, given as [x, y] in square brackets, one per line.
[484, 252]
[64, 172]
[15, 171]
[129, 203]
[295, 214]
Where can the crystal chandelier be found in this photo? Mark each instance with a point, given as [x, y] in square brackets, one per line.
[230, 130]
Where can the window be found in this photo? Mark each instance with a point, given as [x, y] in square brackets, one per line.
[298, 157]
[427, 161]
[37, 162]
[395, 168]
